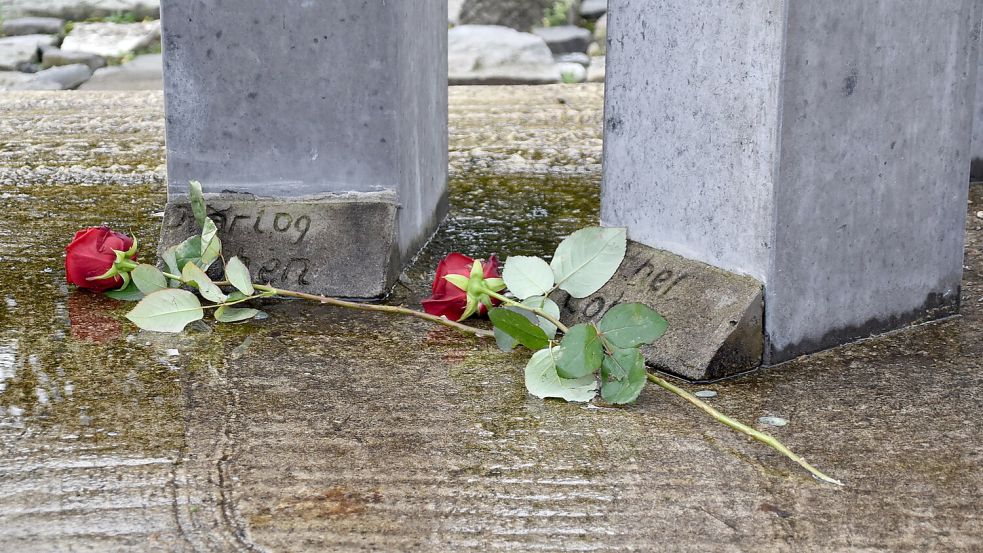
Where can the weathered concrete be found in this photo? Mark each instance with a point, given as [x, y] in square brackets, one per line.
[324, 430]
[717, 317]
[304, 244]
[236, 122]
[844, 130]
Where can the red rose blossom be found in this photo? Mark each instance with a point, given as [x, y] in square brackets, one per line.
[92, 254]
[449, 300]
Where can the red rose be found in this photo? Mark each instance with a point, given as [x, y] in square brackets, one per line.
[454, 300]
[92, 253]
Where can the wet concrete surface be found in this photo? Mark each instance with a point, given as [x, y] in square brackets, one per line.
[319, 429]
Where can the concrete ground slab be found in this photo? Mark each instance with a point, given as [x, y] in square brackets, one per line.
[318, 429]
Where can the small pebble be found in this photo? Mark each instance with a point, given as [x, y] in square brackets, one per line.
[705, 394]
[773, 421]
[979, 214]
[173, 353]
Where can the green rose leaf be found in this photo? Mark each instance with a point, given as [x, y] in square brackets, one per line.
[623, 375]
[197, 202]
[542, 380]
[631, 325]
[148, 278]
[504, 342]
[186, 252]
[211, 245]
[193, 275]
[588, 258]
[580, 353]
[128, 293]
[527, 276]
[227, 314]
[519, 328]
[238, 275]
[167, 310]
[550, 307]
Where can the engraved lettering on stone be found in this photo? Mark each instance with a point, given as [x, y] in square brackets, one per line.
[268, 269]
[304, 221]
[278, 222]
[301, 265]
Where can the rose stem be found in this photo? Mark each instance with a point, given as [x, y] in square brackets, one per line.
[717, 415]
[378, 308]
[741, 427]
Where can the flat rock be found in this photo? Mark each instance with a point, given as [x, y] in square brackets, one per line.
[592, 9]
[565, 38]
[64, 77]
[53, 57]
[18, 51]
[32, 26]
[79, 10]
[142, 73]
[111, 40]
[491, 54]
[715, 317]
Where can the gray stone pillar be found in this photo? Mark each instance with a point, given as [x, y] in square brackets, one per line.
[820, 147]
[318, 130]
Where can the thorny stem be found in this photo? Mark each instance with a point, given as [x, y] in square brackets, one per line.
[741, 427]
[539, 312]
[481, 333]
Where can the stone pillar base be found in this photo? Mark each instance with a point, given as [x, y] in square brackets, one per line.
[337, 245]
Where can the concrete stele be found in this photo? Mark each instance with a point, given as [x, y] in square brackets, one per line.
[331, 112]
[822, 148]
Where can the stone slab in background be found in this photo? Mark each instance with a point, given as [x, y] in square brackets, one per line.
[304, 244]
[521, 15]
[492, 54]
[66, 76]
[17, 52]
[53, 57]
[144, 72]
[565, 38]
[111, 40]
[715, 317]
[32, 26]
[593, 9]
[79, 10]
